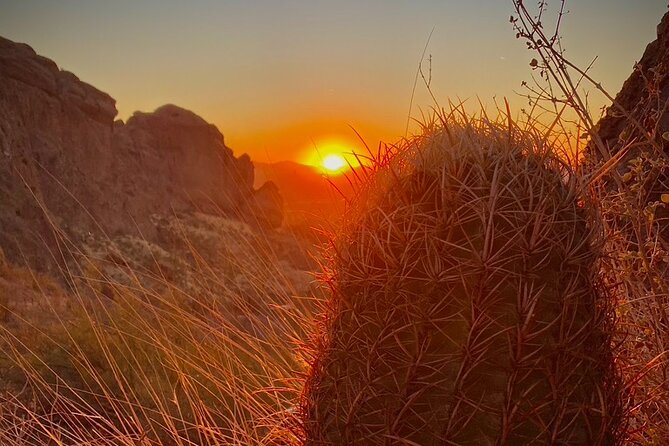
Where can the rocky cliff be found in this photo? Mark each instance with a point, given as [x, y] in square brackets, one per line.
[644, 96]
[69, 171]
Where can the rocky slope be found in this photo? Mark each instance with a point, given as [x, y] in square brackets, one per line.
[644, 96]
[69, 171]
[638, 123]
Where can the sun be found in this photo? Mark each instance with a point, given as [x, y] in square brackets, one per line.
[331, 156]
[334, 163]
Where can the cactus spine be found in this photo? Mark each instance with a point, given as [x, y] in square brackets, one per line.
[464, 306]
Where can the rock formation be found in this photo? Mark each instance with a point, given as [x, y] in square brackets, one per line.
[644, 96]
[68, 170]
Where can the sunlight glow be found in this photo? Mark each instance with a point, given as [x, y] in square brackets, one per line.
[334, 163]
[332, 155]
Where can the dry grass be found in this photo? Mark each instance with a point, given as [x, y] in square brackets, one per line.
[120, 362]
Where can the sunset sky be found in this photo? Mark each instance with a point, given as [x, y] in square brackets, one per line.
[281, 78]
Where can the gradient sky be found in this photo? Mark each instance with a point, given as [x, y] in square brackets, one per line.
[283, 76]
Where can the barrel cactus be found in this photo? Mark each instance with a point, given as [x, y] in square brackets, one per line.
[465, 308]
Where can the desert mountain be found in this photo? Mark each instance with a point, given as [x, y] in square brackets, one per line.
[70, 171]
[310, 196]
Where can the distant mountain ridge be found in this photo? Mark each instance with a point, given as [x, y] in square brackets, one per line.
[68, 170]
[310, 196]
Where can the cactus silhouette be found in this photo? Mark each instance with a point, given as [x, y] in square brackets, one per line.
[465, 308]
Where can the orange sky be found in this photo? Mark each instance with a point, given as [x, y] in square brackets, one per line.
[282, 79]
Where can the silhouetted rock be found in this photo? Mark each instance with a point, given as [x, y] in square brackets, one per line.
[644, 97]
[313, 201]
[67, 169]
[267, 206]
[644, 94]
